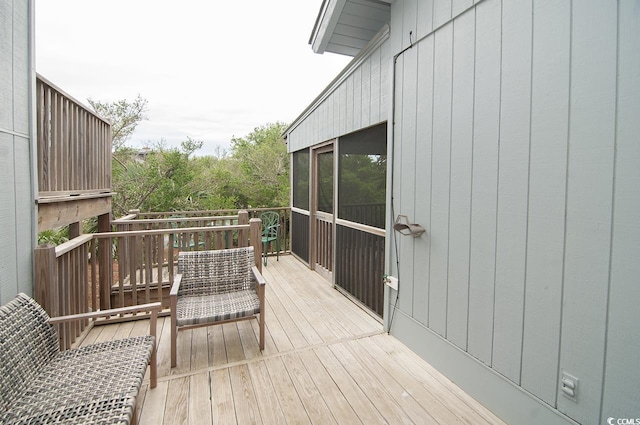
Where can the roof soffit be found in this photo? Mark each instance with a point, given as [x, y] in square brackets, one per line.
[346, 26]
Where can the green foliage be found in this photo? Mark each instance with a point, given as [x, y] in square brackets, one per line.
[263, 163]
[361, 179]
[54, 236]
[156, 181]
[254, 174]
[124, 117]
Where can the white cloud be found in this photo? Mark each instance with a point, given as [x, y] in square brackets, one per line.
[210, 70]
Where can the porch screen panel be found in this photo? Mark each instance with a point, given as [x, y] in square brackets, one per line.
[362, 176]
[300, 180]
[300, 235]
[360, 265]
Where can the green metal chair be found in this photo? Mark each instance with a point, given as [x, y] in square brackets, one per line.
[270, 227]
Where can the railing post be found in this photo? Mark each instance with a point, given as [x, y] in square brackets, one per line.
[243, 237]
[255, 231]
[75, 230]
[105, 262]
[46, 278]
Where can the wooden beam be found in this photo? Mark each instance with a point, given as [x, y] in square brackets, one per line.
[57, 214]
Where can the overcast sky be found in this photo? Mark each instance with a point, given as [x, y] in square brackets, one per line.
[210, 69]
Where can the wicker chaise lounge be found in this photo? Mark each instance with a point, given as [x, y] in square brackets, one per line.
[216, 287]
[95, 384]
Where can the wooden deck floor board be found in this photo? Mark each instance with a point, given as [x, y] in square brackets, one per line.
[222, 408]
[199, 349]
[199, 400]
[217, 346]
[375, 390]
[356, 397]
[176, 407]
[311, 398]
[339, 406]
[439, 411]
[286, 392]
[446, 392]
[244, 398]
[308, 306]
[268, 402]
[325, 361]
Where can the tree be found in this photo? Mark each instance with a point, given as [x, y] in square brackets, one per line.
[159, 182]
[263, 163]
[124, 117]
[255, 173]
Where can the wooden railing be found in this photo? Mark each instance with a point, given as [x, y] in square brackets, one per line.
[74, 145]
[202, 218]
[123, 268]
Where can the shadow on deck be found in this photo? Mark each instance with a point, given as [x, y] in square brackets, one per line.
[326, 361]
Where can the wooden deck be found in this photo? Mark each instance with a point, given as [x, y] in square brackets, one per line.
[325, 362]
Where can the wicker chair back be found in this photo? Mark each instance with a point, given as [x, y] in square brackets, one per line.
[216, 272]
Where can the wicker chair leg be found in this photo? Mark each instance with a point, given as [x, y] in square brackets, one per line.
[262, 330]
[174, 338]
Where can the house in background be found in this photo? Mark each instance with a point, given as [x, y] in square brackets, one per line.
[511, 133]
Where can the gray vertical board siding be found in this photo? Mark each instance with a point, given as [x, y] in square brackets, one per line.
[357, 99]
[424, 136]
[365, 113]
[589, 204]
[461, 167]
[408, 122]
[350, 104]
[440, 178]
[513, 182]
[425, 18]
[409, 60]
[374, 109]
[622, 373]
[15, 169]
[342, 95]
[24, 206]
[385, 82]
[547, 193]
[335, 107]
[396, 28]
[6, 65]
[8, 214]
[485, 180]
[409, 22]
[21, 72]
[403, 249]
[460, 6]
[441, 12]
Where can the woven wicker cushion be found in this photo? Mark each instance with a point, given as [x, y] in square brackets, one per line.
[96, 384]
[191, 310]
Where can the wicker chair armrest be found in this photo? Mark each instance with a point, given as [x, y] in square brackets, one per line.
[259, 278]
[152, 307]
[177, 280]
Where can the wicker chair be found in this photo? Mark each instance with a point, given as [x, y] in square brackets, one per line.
[39, 384]
[214, 287]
